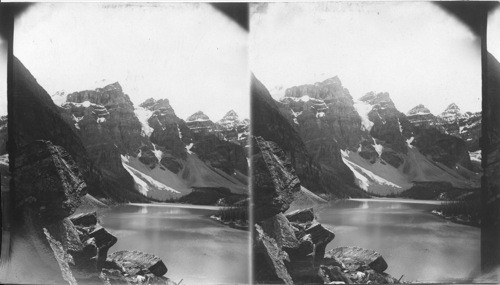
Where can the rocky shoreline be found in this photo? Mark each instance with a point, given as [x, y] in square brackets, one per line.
[458, 219]
[49, 190]
[290, 248]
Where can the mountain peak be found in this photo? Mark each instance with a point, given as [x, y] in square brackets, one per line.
[452, 108]
[198, 116]
[153, 104]
[331, 81]
[373, 98]
[105, 85]
[420, 109]
[451, 113]
[231, 114]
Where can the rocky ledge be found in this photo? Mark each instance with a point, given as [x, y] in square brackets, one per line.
[290, 248]
[49, 189]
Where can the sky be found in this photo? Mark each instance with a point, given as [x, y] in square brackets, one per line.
[189, 53]
[413, 50]
[493, 33]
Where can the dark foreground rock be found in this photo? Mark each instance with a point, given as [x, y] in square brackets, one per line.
[137, 262]
[47, 181]
[356, 257]
[275, 181]
[49, 188]
[290, 248]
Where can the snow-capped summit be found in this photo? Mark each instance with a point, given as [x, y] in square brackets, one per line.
[59, 97]
[230, 120]
[418, 110]
[200, 123]
[198, 117]
[420, 116]
[451, 113]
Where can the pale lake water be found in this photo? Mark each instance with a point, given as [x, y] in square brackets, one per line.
[194, 247]
[414, 242]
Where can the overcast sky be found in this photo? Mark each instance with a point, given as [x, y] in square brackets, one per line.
[191, 54]
[493, 37]
[413, 50]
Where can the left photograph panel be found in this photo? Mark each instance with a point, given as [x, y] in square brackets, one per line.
[129, 145]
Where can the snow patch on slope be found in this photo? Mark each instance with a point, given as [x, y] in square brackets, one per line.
[143, 115]
[363, 109]
[475, 155]
[364, 177]
[378, 147]
[188, 148]
[158, 153]
[409, 141]
[145, 183]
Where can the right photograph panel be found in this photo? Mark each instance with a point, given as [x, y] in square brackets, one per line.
[366, 120]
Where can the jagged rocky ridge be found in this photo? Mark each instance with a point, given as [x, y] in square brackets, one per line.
[161, 152]
[386, 150]
[290, 247]
[63, 247]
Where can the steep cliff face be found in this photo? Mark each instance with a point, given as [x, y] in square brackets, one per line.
[112, 110]
[271, 124]
[36, 117]
[325, 107]
[389, 129]
[169, 133]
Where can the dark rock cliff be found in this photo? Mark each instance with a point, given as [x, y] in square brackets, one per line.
[36, 117]
[65, 248]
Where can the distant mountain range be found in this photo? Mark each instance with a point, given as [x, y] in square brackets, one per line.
[131, 153]
[384, 150]
[338, 146]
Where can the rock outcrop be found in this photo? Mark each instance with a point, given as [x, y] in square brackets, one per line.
[274, 179]
[73, 249]
[53, 198]
[290, 248]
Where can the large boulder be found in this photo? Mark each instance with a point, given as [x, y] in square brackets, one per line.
[301, 215]
[275, 182]
[137, 262]
[280, 229]
[356, 257]
[47, 180]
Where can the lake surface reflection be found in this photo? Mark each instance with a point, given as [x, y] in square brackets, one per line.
[415, 243]
[194, 247]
